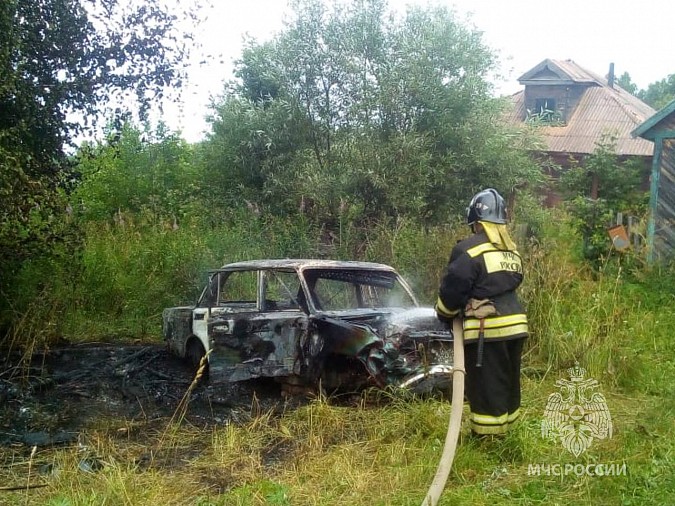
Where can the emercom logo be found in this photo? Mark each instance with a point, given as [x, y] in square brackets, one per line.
[576, 415]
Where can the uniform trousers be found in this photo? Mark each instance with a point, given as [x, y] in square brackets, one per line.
[493, 389]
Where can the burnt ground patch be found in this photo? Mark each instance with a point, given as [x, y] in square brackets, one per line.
[51, 398]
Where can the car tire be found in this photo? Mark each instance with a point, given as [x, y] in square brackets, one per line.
[194, 353]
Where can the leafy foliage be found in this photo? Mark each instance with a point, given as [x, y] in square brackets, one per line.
[139, 173]
[658, 94]
[350, 122]
[618, 185]
[627, 83]
[62, 63]
[352, 111]
[73, 56]
[544, 116]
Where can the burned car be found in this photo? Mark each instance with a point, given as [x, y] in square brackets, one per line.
[337, 324]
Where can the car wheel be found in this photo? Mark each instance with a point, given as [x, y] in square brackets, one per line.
[193, 354]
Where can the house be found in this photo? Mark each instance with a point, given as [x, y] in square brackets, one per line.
[660, 129]
[575, 109]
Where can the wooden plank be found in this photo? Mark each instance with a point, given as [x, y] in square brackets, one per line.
[664, 221]
[653, 201]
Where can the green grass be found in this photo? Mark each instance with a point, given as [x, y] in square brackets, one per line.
[382, 452]
[617, 323]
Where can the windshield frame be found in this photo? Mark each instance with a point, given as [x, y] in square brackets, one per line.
[336, 289]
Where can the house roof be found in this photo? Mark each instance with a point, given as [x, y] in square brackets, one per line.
[601, 110]
[557, 72]
[647, 130]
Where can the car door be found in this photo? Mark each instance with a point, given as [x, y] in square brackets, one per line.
[282, 323]
[254, 324]
[229, 295]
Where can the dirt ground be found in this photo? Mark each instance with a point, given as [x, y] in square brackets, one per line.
[68, 389]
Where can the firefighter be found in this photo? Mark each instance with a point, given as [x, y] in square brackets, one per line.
[479, 284]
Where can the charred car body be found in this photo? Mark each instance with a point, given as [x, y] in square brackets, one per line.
[340, 324]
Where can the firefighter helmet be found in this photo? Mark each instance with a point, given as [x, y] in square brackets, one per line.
[486, 205]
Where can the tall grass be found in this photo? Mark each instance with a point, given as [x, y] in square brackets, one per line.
[582, 315]
[380, 452]
[420, 254]
[382, 449]
[125, 272]
[616, 322]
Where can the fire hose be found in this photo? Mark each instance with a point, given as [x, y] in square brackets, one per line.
[455, 423]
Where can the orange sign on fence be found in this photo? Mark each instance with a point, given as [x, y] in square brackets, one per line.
[619, 237]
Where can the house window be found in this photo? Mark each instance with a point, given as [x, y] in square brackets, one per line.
[545, 112]
[544, 105]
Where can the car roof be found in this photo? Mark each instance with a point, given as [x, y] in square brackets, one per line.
[301, 264]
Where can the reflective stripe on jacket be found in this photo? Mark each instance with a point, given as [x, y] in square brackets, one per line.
[477, 269]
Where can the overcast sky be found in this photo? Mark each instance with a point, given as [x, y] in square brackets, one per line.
[638, 37]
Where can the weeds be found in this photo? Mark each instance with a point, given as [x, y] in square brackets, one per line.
[384, 448]
[383, 453]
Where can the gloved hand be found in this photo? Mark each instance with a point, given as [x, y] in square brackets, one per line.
[443, 314]
[480, 308]
[444, 319]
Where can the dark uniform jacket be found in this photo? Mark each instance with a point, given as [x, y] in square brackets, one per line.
[479, 270]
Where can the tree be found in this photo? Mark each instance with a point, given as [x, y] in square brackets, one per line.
[63, 63]
[352, 107]
[627, 83]
[618, 190]
[136, 173]
[659, 93]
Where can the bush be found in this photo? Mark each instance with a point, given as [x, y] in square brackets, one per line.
[618, 190]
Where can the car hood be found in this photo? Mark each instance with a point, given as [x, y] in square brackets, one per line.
[389, 323]
[388, 343]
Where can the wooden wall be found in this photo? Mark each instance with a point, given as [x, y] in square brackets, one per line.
[567, 97]
[664, 212]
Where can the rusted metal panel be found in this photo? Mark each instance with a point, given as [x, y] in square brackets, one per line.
[177, 327]
[246, 346]
[292, 263]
